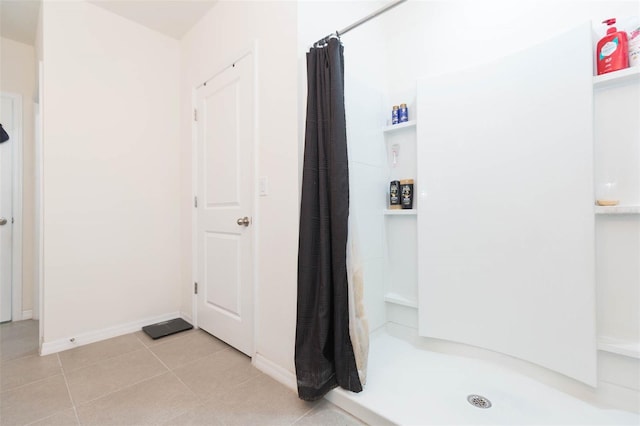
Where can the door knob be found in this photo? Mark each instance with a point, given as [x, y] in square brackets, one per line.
[243, 221]
[3, 221]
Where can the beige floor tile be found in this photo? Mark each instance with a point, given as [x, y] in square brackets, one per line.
[259, 401]
[12, 329]
[62, 418]
[13, 350]
[99, 351]
[153, 401]
[18, 339]
[214, 374]
[326, 413]
[202, 415]
[107, 376]
[187, 348]
[148, 341]
[34, 401]
[24, 370]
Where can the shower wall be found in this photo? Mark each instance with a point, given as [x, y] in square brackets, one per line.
[477, 32]
[366, 164]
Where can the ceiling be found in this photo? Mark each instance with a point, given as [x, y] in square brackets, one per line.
[170, 17]
[19, 18]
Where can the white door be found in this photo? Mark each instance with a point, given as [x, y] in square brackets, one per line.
[6, 211]
[225, 205]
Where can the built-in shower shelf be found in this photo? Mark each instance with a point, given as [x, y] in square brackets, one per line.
[399, 126]
[624, 76]
[400, 300]
[620, 347]
[403, 212]
[617, 209]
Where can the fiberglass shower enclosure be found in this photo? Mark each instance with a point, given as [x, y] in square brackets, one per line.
[499, 252]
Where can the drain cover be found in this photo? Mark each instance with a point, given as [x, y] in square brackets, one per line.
[479, 401]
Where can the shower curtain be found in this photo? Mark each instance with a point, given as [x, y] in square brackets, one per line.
[324, 354]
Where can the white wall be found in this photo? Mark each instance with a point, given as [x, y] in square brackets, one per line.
[111, 172]
[18, 75]
[230, 28]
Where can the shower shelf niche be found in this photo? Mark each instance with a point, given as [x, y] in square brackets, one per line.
[400, 276]
[405, 212]
[616, 147]
[615, 78]
[620, 347]
[617, 209]
[400, 300]
[399, 126]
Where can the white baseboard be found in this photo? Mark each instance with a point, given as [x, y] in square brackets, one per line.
[275, 371]
[187, 318]
[26, 315]
[99, 335]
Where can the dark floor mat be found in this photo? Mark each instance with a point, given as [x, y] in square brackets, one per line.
[166, 328]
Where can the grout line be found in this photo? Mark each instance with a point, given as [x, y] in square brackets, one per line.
[307, 412]
[135, 334]
[130, 384]
[48, 416]
[66, 382]
[31, 383]
[254, 377]
[174, 374]
[193, 360]
[4, 361]
[199, 402]
[123, 388]
[102, 359]
[175, 336]
[159, 360]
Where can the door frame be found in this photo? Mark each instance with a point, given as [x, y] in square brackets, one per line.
[255, 219]
[16, 206]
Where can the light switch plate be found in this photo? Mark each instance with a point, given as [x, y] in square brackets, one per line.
[263, 186]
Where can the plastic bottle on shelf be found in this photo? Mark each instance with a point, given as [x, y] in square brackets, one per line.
[395, 114]
[612, 52]
[394, 195]
[406, 188]
[403, 114]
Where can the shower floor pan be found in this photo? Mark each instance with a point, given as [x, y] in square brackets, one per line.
[411, 386]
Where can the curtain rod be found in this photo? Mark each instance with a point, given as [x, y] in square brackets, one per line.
[359, 22]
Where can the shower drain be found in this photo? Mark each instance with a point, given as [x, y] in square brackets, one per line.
[479, 401]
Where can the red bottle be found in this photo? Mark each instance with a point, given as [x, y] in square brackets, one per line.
[612, 53]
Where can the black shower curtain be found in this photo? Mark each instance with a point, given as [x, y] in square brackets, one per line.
[324, 355]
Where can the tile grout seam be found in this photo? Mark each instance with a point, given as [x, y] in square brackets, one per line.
[66, 383]
[104, 359]
[130, 384]
[31, 383]
[303, 416]
[199, 402]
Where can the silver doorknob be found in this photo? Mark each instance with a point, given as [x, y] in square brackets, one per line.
[3, 221]
[243, 221]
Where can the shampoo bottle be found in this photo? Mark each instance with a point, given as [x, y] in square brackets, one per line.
[612, 53]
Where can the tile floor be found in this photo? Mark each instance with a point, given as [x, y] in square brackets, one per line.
[190, 378]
